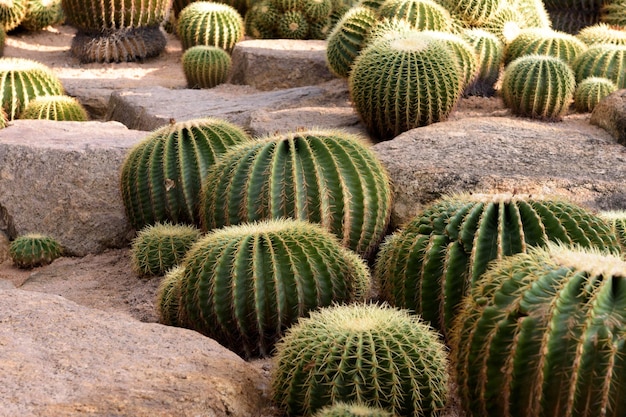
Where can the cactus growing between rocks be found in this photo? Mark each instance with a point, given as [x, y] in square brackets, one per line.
[430, 264]
[602, 60]
[341, 409]
[590, 91]
[536, 41]
[162, 176]
[327, 177]
[12, 13]
[42, 13]
[372, 354]
[538, 87]
[205, 66]
[244, 285]
[58, 108]
[211, 24]
[489, 50]
[34, 249]
[544, 333]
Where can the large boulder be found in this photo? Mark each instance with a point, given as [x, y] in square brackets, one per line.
[610, 114]
[62, 359]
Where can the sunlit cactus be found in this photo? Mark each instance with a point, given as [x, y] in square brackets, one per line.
[534, 12]
[535, 41]
[590, 91]
[463, 52]
[342, 409]
[12, 12]
[42, 13]
[421, 14]
[602, 60]
[205, 66]
[56, 107]
[474, 12]
[617, 220]
[211, 24]
[602, 33]
[506, 24]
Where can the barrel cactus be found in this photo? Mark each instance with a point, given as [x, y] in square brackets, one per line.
[22, 80]
[474, 12]
[602, 60]
[430, 264]
[161, 246]
[544, 333]
[372, 354]
[34, 249]
[421, 14]
[168, 296]
[538, 87]
[261, 20]
[342, 409]
[489, 50]
[401, 82]
[506, 24]
[322, 176]
[211, 24]
[463, 52]
[590, 91]
[42, 13]
[12, 12]
[244, 285]
[617, 220]
[292, 25]
[205, 66]
[613, 13]
[536, 41]
[58, 108]
[533, 11]
[162, 176]
[602, 33]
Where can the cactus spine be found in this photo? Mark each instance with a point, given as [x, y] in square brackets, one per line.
[543, 333]
[431, 263]
[162, 176]
[590, 91]
[58, 108]
[372, 354]
[12, 12]
[535, 41]
[602, 60]
[211, 24]
[617, 221]
[205, 66]
[341, 409]
[489, 50]
[244, 285]
[34, 249]
[474, 12]
[602, 33]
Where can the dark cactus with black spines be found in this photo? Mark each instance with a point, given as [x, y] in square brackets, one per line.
[372, 354]
[42, 13]
[326, 177]
[536, 41]
[430, 264]
[245, 285]
[162, 176]
[602, 60]
[58, 108]
[421, 14]
[590, 91]
[539, 87]
[34, 249]
[22, 80]
[205, 66]
[12, 12]
[602, 33]
[401, 82]
[489, 50]
[544, 334]
[211, 24]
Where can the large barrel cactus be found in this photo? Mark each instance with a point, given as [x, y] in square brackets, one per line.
[211, 24]
[463, 52]
[590, 91]
[401, 82]
[327, 177]
[541, 41]
[372, 354]
[430, 264]
[244, 285]
[162, 176]
[602, 60]
[538, 87]
[544, 334]
[489, 50]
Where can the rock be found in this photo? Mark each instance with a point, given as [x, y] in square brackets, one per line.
[62, 359]
[610, 114]
[571, 159]
[271, 64]
[62, 179]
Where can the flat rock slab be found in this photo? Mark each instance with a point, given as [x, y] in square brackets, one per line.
[62, 179]
[571, 159]
[62, 359]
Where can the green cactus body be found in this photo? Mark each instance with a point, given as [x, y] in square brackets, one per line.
[244, 285]
[464, 53]
[372, 4]
[168, 296]
[534, 12]
[430, 264]
[590, 91]
[316, 10]
[372, 354]
[327, 177]
[572, 20]
[161, 246]
[617, 220]
[261, 20]
[602, 33]
[12, 12]
[341, 409]
[535, 41]
[421, 14]
[205, 66]
[162, 176]
[347, 39]
[506, 24]
[602, 60]
[105, 15]
[401, 82]
[58, 108]
[614, 13]
[42, 13]
[474, 12]
[211, 24]
[292, 25]
[543, 334]
[22, 80]
[539, 87]
[287, 5]
[489, 50]
[320, 30]
[33, 249]
[3, 39]
[389, 28]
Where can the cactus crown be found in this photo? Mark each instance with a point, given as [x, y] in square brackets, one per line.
[58, 108]
[34, 249]
[209, 23]
[506, 24]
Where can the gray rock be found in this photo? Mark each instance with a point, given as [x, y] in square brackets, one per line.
[62, 359]
[571, 159]
[610, 114]
[62, 179]
[271, 64]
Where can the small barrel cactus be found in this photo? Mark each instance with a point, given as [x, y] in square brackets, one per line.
[12, 12]
[161, 246]
[536, 41]
[244, 285]
[543, 334]
[162, 176]
[602, 60]
[401, 82]
[590, 91]
[34, 249]
[58, 108]
[342, 409]
[168, 296]
[489, 50]
[617, 220]
[421, 14]
[22, 80]
[372, 354]
[602, 33]
[327, 177]
[42, 13]
[430, 264]
[205, 66]
[538, 87]
[211, 24]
